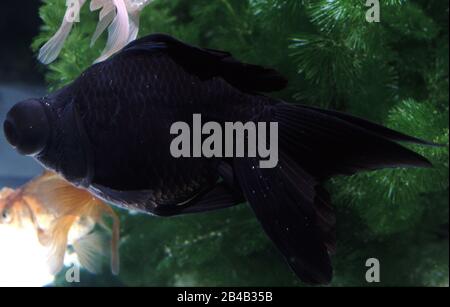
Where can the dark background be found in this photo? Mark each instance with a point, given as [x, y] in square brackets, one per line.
[19, 23]
[21, 77]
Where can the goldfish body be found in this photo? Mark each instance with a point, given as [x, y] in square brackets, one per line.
[109, 131]
[60, 215]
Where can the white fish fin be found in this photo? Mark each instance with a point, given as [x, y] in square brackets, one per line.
[44, 237]
[58, 243]
[103, 23]
[90, 251]
[137, 5]
[118, 31]
[134, 25]
[115, 235]
[97, 4]
[106, 9]
[50, 50]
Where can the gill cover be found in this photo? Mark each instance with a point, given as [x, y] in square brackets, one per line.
[69, 151]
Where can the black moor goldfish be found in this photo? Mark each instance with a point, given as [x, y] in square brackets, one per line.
[61, 215]
[109, 132]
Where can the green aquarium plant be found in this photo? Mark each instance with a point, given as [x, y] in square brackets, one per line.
[394, 71]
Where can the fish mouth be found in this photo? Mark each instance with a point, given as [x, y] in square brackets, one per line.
[69, 151]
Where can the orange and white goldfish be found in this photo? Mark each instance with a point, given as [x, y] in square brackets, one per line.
[61, 215]
[121, 17]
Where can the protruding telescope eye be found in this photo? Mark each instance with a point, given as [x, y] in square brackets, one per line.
[27, 128]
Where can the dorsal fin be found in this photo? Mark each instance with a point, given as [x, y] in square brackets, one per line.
[208, 63]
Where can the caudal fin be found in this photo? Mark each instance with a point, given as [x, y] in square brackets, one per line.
[328, 143]
[295, 213]
[289, 200]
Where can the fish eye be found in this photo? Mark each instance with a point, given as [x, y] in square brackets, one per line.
[26, 127]
[6, 216]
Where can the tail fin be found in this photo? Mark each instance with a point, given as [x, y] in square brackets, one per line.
[372, 127]
[293, 212]
[50, 51]
[328, 143]
[289, 200]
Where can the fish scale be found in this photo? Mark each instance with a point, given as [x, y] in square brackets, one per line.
[169, 99]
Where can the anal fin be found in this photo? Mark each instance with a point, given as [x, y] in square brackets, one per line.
[284, 201]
